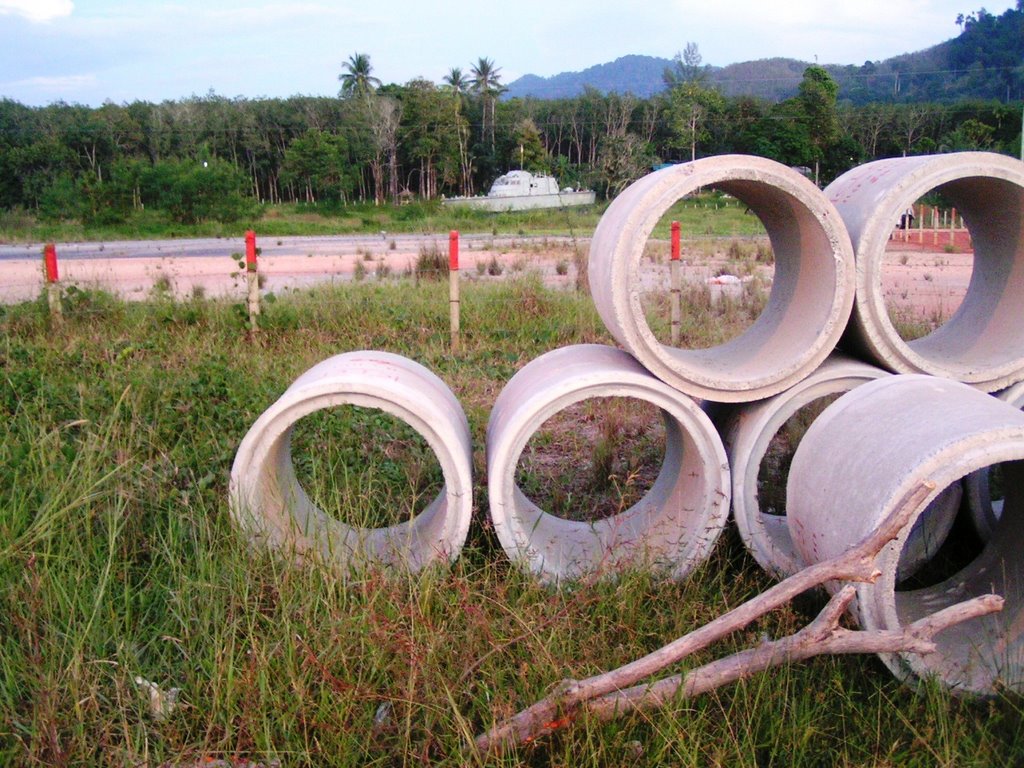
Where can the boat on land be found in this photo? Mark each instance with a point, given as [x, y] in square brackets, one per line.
[523, 191]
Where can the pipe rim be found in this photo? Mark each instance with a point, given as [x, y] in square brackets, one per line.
[907, 180]
[531, 536]
[902, 432]
[270, 505]
[750, 432]
[793, 211]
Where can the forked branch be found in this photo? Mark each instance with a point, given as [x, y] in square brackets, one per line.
[615, 692]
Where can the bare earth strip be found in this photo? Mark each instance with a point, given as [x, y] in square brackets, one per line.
[925, 279]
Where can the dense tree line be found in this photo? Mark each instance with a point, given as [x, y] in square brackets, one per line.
[213, 157]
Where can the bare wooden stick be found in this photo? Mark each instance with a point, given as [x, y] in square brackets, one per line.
[822, 636]
[857, 564]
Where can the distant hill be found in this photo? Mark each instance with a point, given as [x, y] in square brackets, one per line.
[639, 75]
[986, 61]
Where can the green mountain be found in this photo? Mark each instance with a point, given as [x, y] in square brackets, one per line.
[985, 61]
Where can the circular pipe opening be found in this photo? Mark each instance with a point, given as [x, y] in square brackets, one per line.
[982, 343]
[722, 278]
[810, 297]
[671, 528]
[363, 466]
[270, 504]
[864, 455]
[761, 439]
[594, 459]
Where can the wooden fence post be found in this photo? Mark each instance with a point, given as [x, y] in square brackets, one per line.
[453, 287]
[252, 276]
[676, 298]
[52, 283]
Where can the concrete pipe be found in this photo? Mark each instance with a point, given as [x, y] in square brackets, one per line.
[983, 343]
[672, 528]
[748, 430]
[811, 296]
[859, 461]
[268, 502]
[986, 511]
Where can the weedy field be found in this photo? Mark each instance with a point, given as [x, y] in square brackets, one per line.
[119, 564]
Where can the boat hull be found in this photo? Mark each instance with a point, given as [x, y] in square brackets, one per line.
[522, 202]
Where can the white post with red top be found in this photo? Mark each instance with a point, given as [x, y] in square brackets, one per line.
[453, 286]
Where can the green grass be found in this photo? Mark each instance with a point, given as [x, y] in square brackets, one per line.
[703, 215]
[118, 559]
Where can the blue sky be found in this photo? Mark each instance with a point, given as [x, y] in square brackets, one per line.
[90, 51]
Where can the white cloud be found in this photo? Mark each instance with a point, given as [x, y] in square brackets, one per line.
[37, 10]
[57, 84]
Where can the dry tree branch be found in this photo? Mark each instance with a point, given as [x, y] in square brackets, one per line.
[611, 692]
[822, 636]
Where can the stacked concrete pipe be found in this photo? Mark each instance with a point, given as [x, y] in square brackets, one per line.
[811, 295]
[983, 343]
[672, 528]
[986, 511]
[268, 502]
[748, 430]
[882, 440]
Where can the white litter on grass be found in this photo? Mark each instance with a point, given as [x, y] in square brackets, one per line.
[161, 703]
[724, 280]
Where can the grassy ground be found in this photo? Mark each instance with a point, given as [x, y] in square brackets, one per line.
[707, 214]
[118, 560]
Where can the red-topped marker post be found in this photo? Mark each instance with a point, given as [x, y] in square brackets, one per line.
[453, 286]
[52, 281]
[676, 287]
[252, 276]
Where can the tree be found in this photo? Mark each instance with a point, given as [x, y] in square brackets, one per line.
[623, 159]
[457, 82]
[690, 109]
[487, 83]
[356, 80]
[459, 85]
[429, 137]
[529, 149]
[385, 114]
[817, 95]
[686, 68]
[315, 162]
[191, 192]
[970, 135]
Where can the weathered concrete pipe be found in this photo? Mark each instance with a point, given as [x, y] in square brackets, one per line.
[811, 296]
[268, 502]
[672, 528]
[748, 429]
[985, 512]
[861, 457]
[983, 343]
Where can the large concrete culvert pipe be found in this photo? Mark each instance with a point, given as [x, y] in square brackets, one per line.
[748, 430]
[268, 502]
[863, 458]
[985, 502]
[982, 344]
[811, 295]
[672, 528]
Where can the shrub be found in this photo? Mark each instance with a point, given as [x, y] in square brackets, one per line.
[191, 192]
[431, 263]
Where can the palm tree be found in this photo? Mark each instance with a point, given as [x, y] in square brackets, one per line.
[487, 83]
[458, 85]
[457, 82]
[357, 80]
